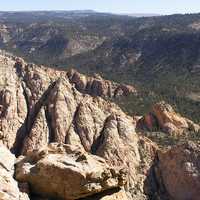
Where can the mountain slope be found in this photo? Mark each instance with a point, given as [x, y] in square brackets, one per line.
[157, 55]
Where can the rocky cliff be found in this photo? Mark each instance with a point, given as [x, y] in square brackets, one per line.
[70, 143]
[41, 106]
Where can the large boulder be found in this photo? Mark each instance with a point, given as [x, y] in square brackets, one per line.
[67, 172]
[163, 117]
[179, 171]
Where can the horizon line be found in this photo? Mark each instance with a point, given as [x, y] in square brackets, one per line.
[97, 11]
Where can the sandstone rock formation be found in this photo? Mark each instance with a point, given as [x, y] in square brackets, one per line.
[67, 172]
[164, 118]
[9, 189]
[97, 86]
[53, 110]
[13, 107]
[179, 168]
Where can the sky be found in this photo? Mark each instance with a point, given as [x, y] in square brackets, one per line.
[113, 6]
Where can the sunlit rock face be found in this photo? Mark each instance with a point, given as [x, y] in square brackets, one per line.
[9, 188]
[179, 168]
[73, 144]
[164, 118]
[72, 172]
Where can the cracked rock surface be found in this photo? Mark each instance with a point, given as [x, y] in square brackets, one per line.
[41, 106]
[72, 172]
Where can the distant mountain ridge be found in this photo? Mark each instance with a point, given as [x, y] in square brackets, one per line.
[140, 14]
[159, 55]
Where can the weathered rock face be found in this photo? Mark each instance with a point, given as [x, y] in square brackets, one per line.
[8, 186]
[13, 107]
[179, 168]
[163, 117]
[51, 109]
[99, 87]
[67, 172]
[52, 106]
[40, 106]
[119, 145]
[39, 134]
[45, 107]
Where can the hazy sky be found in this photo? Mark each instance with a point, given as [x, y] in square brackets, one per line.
[115, 6]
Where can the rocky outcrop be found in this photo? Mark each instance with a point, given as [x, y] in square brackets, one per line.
[164, 118]
[9, 189]
[179, 171]
[73, 144]
[13, 107]
[54, 109]
[67, 172]
[47, 107]
[39, 134]
[119, 145]
[97, 86]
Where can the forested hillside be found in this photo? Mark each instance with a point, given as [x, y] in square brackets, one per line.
[158, 55]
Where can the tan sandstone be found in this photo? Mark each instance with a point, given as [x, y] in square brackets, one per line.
[179, 168]
[9, 189]
[67, 172]
[164, 118]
